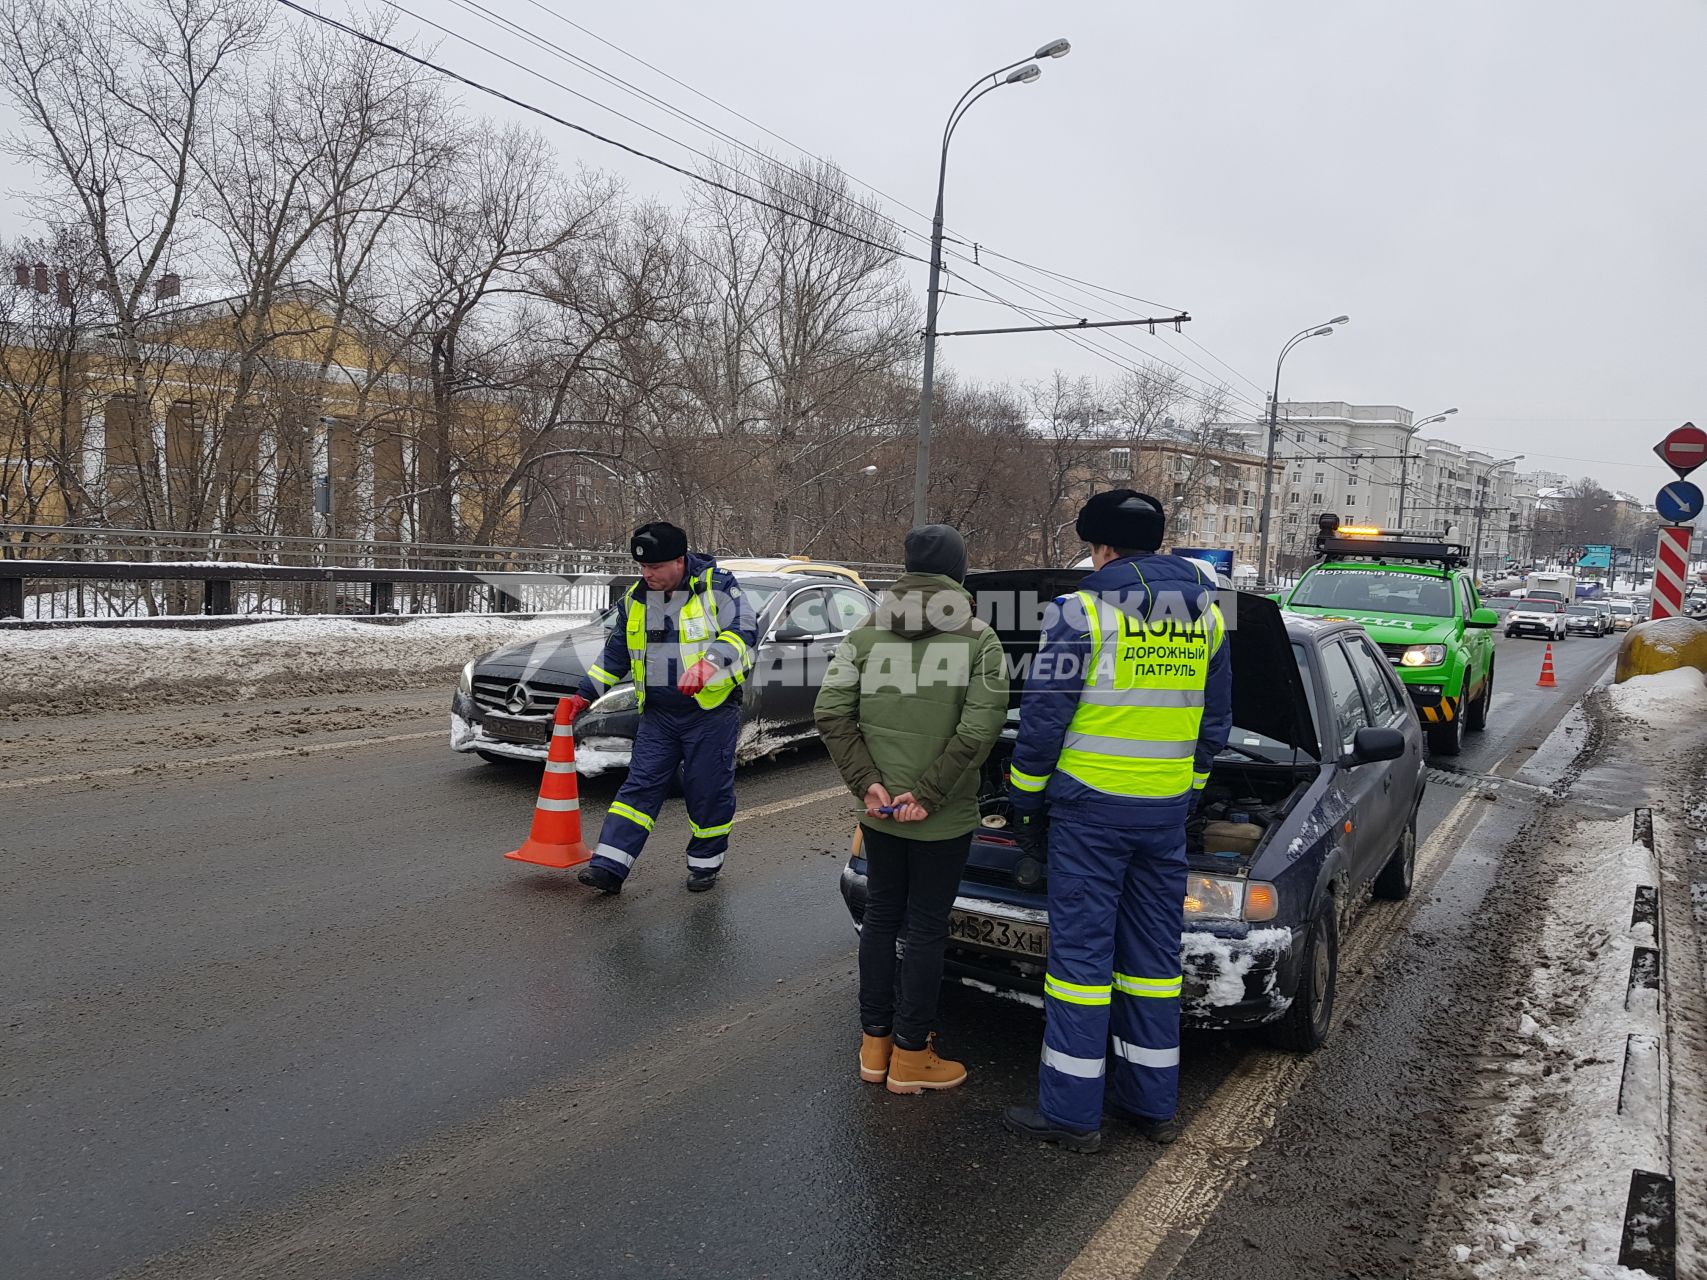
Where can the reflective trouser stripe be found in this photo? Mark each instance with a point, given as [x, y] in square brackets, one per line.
[1083, 1068]
[1139, 1056]
[559, 806]
[1027, 781]
[1142, 697]
[560, 766]
[602, 676]
[614, 854]
[1076, 992]
[1155, 988]
[706, 833]
[712, 863]
[1129, 748]
[621, 810]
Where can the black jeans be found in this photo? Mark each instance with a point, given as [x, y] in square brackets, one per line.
[911, 882]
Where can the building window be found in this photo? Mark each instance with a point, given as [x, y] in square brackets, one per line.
[1315, 499]
[1319, 476]
[1351, 479]
[1356, 458]
[1291, 499]
[1120, 464]
[1321, 437]
[1245, 498]
[1351, 499]
[1179, 491]
[1247, 524]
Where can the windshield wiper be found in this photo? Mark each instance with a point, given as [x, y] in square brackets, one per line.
[1250, 755]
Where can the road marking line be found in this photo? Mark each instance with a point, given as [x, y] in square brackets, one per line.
[1148, 1233]
[244, 757]
[782, 806]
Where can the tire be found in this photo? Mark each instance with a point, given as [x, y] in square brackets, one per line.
[1394, 881]
[1304, 1027]
[1476, 718]
[1446, 739]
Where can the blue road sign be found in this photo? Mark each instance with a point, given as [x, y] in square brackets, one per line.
[1679, 501]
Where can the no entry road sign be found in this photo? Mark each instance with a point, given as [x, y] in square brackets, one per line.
[1684, 449]
[1679, 501]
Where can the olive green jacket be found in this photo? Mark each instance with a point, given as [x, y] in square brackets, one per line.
[914, 699]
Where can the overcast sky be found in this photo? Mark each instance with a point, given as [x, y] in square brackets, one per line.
[1508, 198]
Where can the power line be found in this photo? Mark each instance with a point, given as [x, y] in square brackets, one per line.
[701, 178]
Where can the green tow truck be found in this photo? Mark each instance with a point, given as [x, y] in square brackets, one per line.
[1419, 604]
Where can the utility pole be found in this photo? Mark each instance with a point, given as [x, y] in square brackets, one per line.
[1314, 331]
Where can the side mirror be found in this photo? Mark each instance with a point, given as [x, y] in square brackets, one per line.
[1370, 746]
[1483, 617]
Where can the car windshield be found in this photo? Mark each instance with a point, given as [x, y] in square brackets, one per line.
[1623, 606]
[1375, 591]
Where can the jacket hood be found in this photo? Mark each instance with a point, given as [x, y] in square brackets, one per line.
[923, 604]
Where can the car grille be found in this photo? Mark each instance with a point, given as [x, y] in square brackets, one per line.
[1394, 652]
[492, 694]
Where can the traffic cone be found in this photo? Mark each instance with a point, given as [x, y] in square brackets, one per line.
[555, 840]
[1546, 681]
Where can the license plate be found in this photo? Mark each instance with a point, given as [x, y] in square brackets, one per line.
[973, 929]
[514, 729]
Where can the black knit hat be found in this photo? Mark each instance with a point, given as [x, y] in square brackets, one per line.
[657, 542]
[1122, 518]
[936, 548]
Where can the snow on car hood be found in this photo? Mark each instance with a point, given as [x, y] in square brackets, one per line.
[1268, 692]
[561, 657]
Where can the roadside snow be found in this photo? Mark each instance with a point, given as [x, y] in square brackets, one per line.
[1667, 699]
[71, 670]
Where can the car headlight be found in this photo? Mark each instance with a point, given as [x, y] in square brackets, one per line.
[465, 682]
[1423, 655]
[1224, 898]
[615, 702]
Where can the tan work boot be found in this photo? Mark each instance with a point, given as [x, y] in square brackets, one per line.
[874, 1054]
[915, 1070]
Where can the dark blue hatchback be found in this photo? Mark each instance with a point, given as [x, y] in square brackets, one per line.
[1312, 806]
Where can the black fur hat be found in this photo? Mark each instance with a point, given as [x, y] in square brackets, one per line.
[1122, 518]
[657, 542]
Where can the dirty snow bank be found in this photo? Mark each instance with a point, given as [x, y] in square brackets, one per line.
[66, 671]
[1665, 700]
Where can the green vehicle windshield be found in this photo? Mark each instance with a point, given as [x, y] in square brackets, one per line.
[1375, 591]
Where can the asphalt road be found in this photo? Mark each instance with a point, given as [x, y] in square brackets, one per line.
[276, 1005]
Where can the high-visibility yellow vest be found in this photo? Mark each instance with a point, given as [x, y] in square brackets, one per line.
[1134, 732]
[696, 630]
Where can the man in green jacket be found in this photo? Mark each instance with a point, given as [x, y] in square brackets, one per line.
[909, 709]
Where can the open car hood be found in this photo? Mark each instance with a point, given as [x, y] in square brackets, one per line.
[1268, 692]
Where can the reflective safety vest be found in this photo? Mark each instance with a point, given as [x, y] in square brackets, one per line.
[1134, 733]
[696, 631]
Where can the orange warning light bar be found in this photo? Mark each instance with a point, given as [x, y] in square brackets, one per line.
[1358, 531]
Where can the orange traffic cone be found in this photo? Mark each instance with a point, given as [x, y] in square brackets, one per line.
[1546, 681]
[555, 840]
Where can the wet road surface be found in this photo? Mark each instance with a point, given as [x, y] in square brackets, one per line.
[281, 1008]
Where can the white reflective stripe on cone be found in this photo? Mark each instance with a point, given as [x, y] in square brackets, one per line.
[1139, 1056]
[559, 806]
[614, 854]
[560, 766]
[563, 731]
[1067, 1064]
[706, 864]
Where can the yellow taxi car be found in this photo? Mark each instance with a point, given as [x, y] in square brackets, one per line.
[791, 564]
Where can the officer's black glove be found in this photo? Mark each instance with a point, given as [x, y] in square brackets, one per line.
[1031, 833]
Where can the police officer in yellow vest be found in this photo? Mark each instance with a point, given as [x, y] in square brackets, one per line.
[1127, 703]
[686, 637]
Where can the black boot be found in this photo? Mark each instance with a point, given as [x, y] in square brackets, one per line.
[601, 878]
[1160, 1131]
[700, 881]
[1029, 1122]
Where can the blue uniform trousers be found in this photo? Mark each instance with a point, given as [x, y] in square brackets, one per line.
[702, 743]
[1116, 912]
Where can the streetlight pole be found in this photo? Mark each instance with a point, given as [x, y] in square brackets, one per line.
[1481, 508]
[1405, 456]
[1027, 71]
[1317, 331]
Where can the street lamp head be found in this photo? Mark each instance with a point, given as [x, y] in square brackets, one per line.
[1025, 75]
[1340, 320]
[1326, 331]
[1054, 49]
[868, 471]
[1446, 413]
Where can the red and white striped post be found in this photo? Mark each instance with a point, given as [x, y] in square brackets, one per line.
[1671, 571]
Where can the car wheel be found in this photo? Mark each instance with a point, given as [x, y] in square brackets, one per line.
[1476, 718]
[1394, 881]
[1305, 1026]
[1446, 739]
[505, 762]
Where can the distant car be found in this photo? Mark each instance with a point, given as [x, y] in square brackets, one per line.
[792, 564]
[1544, 618]
[1585, 620]
[1624, 614]
[505, 700]
[1312, 806]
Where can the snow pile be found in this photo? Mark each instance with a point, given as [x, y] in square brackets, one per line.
[1665, 700]
[1553, 1159]
[72, 670]
[1668, 635]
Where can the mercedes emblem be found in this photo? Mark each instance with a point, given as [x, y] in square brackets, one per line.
[516, 699]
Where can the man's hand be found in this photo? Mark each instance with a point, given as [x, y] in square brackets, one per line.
[578, 704]
[697, 677]
[908, 809]
[1031, 833]
[876, 797]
